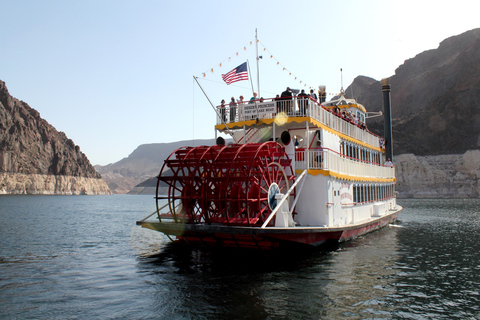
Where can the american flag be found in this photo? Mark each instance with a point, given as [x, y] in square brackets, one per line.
[238, 74]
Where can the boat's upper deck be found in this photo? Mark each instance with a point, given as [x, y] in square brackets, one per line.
[265, 112]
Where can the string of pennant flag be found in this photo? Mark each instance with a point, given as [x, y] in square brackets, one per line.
[229, 59]
[271, 56]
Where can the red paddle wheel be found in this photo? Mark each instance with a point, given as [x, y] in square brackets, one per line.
[225, 184]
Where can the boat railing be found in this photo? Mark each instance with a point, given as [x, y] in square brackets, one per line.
[326, 159]
[295, 107]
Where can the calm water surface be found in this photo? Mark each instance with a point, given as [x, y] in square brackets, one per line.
[82, 257]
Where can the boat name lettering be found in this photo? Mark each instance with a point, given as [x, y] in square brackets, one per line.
[346, 195]
[259, 109]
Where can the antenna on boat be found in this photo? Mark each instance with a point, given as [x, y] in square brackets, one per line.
[341, 81]
[258, 58]
[223, 121]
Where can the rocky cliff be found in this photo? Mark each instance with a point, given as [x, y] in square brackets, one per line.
[37, 159]
[435, 96]
[436, 119]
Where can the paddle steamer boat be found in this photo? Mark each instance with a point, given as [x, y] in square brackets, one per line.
[298, 173]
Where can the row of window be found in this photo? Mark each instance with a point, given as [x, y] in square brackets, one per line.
[355, 151]
[368, 192]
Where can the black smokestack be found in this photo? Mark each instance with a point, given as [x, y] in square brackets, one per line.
[386, 88]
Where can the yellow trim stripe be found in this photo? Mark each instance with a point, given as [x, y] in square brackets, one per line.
[328, 173]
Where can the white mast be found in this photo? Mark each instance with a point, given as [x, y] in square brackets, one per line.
[258, 70]
[341, 80]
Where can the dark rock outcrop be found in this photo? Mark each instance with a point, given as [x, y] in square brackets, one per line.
[31, 150]
[435, 96]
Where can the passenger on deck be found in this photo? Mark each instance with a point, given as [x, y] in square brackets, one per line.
[240, 103]
[302, 102]
[233, 109]
[286, 102]
[221, 108]
[252, 99]
[382, 143]
[313, 95]
[389, 163]
[349, 116]
[318, 155]
[278, 102]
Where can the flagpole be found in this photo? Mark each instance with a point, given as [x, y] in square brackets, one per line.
[214, 109]
[251, 82]
[250, 76]
[258, 69]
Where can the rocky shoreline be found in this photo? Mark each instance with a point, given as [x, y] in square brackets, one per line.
[441, 176]
[19, 183]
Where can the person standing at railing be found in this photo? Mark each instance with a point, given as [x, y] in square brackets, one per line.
[389, 163]
[318, 155]
[278, 103]
[221, 108]
[252, 99]
[354, 120]
[287, 101]
[302, 99]
[313, 95]
[233, 109]
[240, 103]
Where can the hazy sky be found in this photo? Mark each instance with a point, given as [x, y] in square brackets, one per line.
[116, 74]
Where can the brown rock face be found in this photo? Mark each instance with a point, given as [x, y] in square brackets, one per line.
[30, 145]
[435, 96]
[37, 159]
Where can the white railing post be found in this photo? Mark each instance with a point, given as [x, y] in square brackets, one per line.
[333, 161]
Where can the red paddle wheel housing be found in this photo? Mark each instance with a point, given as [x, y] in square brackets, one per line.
[224, 184]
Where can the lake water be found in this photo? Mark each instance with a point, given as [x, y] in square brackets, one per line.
[83, 257]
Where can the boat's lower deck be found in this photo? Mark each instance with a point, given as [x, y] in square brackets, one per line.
[268, 237]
